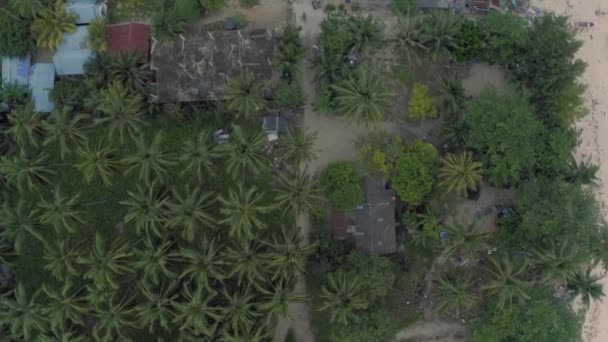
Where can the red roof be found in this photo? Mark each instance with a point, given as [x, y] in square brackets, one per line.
[129, 38]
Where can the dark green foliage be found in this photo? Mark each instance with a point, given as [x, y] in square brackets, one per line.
[167, 24]
[542, 318]
[15, 37]
[550, 70]
[470, 41]
[289, 96]
[504, 132]
[414, 172]
[342, 185]
[189, 10]
[405, 6]
[552, 209]
[377, 324]
[68, 92]
[377, 276]
[505, 37]
[289, 52]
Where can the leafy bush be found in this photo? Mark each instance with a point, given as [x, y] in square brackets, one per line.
[356, 6]
[289, 96]
[505, 133]
[412, 179]
[421, 104]
[189, 10]
[376, 324]
[330, 8]
[505, 35]
[342, 185]
[69, 92]
[15, 36]
[543, 318]
[241, 20]
[376, 273]
[469, 40]
[405, 6]
[167, 24]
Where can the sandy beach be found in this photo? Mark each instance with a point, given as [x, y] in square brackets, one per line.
[594, 128]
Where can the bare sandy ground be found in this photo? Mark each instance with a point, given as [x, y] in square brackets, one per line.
[594, 140]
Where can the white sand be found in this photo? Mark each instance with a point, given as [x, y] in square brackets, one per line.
[594, 137]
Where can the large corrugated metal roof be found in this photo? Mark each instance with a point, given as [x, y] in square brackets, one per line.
[15, 70]
[129, 38]
[73, 53]
[42, 81]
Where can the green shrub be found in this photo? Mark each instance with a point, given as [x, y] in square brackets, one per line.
[356, 6]
[342, 185]
[470, 41]
[330, 8]
[249, 3]
[412, 179]
[241, 20]
[421, 104]
[15, 36]
[342, 8]
[505, 35]
[97, 35]
[289, 96]
[405, 6]
[189, 10]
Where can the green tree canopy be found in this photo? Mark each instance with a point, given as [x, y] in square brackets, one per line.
[421, 104]
[15, 38]
[504, 132]
[505, 37]
[342, 185]
[414, 171]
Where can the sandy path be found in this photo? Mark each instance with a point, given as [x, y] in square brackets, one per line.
[594, 139]
[433, 331]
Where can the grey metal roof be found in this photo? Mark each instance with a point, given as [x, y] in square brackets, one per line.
[374, 221]
[73, 53]
[15, 70]
[274, 124]
[42, 81]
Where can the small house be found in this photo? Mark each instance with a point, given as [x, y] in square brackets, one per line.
[371, 226]
[41, 82]
[71, 56]
[131, 37]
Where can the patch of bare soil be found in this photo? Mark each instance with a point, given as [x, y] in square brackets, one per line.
[482, 74]
[436, 331]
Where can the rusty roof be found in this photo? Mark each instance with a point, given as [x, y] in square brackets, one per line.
[129, 37]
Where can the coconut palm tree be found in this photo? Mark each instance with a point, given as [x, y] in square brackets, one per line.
[62, 212]
[128, 69]
[343, 297]
[154, 261]
[97, 35]
[297, 146]
[123, 112]
[49, 26]
[197, 156]
[362, 98]
[287, 255]
[204, 264]
[277, 297]
[239, 312]
[558, 262]
[454, 133]
[147, 209]
[297, 193]
[452, 96]
[242, 210]
[63, 306]
[464, 239]
[99, 69]
[195, 313]
[66, 335]
[587, 286]
[410, 38]
[581, 173]
[150, 160]
[247, 262]
[66, 129]
[157, 309]
[253, 333]
[101, 161]
[190, 212]
[505, 282]
[245, 95]
[599, 245]
[61, 257]
[167, 24]
[245, 153]
[459, 173]
[105, 264]
[15, 95]
[112, 319]
[26, 171]
[290, 52]
[25, 126]
[442, 29]
[23, 316]
[17, 223]
[454, 291]
[27, 8]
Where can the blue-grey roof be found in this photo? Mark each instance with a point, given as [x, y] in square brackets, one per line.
[73, 53]
[15, 70]
[42, 81]
[87, 10]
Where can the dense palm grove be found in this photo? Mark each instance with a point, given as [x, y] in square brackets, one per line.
[123, 219]
[516, 283]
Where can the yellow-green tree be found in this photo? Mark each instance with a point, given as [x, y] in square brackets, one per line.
[421, 104]
[51, 24]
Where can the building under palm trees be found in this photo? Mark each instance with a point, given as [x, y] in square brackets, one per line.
[196, 64]
[371, 226]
